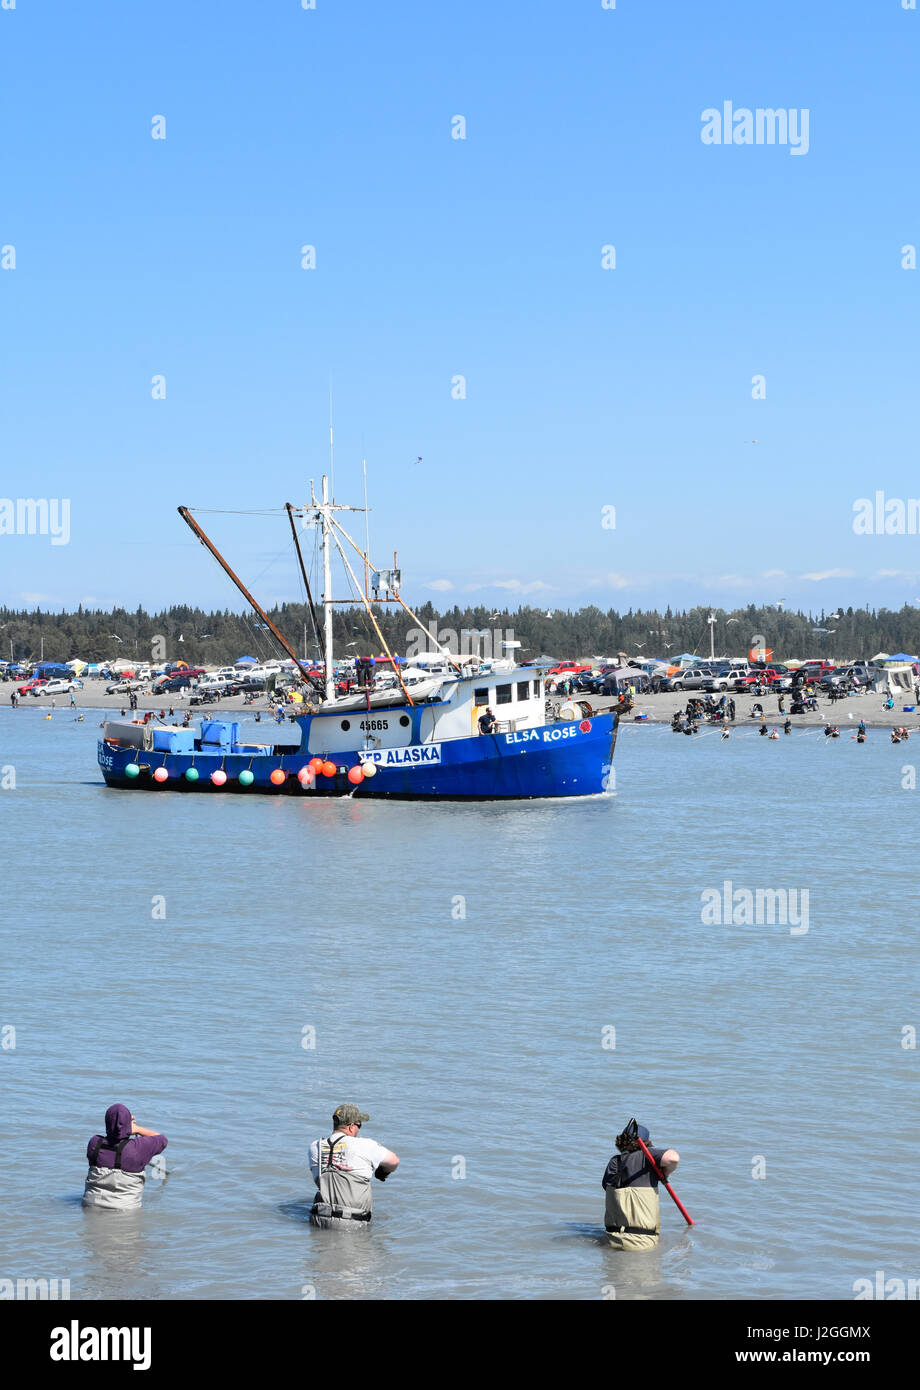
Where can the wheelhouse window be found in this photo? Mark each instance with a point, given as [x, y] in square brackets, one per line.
[481, 696]
[503, 694]
[523, 690]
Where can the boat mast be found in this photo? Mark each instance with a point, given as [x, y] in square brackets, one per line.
[303, 570]
[325, 517]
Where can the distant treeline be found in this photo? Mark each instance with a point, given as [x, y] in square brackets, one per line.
[213, 639]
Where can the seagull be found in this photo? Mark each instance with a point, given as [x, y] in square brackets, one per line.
[116, 636]
[833, 617]
[780, 602]
[639, 646]
[419, 459]
[732, 620]
[549, 613]
[180, 638]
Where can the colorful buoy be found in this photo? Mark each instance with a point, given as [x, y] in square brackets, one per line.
[329, 769]
[306, 777]
[246, 778]
[161, 775]
[191, 774]
[132, 770]
[369, 769]
[218, 777]
[278, 777]
[356, 774]
[316, 764]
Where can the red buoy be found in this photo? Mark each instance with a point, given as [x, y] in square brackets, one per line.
[277, 777]
[356, 774]
[218, 777]
[329, 769]
[161, 775]
[315, 765]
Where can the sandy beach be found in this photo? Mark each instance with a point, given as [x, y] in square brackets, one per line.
[657, 708]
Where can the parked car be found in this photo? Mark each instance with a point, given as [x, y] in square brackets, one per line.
[856, 676]
[168, 685]
[567, 668]
[59, 687]
[34, 686]
[691, 678]
[124, 687]
[769, 677]
[721, 678]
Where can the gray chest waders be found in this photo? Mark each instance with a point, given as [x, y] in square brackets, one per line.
[324, 1208]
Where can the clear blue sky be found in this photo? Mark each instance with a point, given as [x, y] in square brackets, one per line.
[482, 257]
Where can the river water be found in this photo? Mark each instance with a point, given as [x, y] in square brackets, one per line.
[502, 987]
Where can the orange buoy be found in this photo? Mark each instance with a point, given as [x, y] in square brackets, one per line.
[329, 769]
[315, 765]
[356, 774]
[278, 777]
[218, 777]
[161, 775]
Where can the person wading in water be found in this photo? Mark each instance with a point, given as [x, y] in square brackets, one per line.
[117, 1161]
[631, 1215]
[342, 1168]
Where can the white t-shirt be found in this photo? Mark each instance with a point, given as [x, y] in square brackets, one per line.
[359, 1156]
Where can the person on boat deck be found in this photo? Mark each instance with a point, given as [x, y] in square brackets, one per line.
[117, 1161]
[342, 1166]
[487, 722]
[632, 1217]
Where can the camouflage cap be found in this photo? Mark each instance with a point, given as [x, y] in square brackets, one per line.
[349, 1115]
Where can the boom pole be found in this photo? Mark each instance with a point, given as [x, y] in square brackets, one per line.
[205, 541]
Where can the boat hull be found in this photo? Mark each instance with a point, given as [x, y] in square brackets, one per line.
[557, 760]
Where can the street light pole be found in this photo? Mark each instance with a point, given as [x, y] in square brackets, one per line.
[711, 620]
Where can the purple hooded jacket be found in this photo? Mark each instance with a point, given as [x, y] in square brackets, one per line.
[136, 1154]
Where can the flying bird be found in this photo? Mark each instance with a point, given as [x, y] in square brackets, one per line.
[419, 459]
[639, 646]
[732, 620]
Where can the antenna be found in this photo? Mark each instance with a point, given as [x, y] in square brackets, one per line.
[331, 452]
[367, 527]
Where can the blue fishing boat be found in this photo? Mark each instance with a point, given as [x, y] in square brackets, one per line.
[463, 734]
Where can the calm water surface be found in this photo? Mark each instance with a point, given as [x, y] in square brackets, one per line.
[475, 1041]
